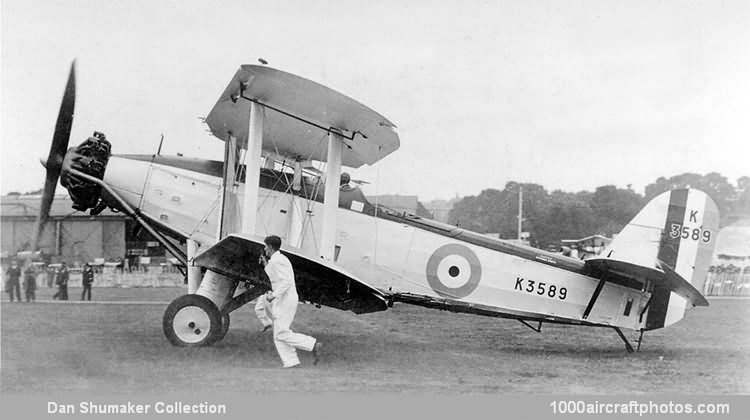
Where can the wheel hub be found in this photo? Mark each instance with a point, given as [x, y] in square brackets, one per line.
[191, 324]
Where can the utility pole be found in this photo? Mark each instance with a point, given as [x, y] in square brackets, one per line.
[520, 210]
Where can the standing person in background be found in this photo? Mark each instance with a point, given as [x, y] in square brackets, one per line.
[87, 279]
[12, 282]
[62, 277]
[29, 283]
[50, 276]
[136, 263]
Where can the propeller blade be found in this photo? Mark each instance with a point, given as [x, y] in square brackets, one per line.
[57, 151]
[50, 183]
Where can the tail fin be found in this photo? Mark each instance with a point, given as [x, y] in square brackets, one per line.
[678, 229]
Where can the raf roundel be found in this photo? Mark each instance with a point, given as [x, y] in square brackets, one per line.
[453, 271]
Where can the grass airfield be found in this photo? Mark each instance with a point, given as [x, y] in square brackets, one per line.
[120, 348]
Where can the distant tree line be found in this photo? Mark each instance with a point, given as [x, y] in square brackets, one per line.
[551, 217]
[35, 192]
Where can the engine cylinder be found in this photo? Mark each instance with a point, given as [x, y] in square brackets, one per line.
[90, 157]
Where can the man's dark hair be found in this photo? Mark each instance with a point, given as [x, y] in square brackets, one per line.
[273, 241]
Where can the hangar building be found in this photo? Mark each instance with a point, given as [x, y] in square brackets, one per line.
[69, 235]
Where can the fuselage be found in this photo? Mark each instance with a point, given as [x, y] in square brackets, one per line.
[398, 254]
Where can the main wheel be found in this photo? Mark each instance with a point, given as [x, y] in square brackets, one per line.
[192, 321]
[224, 327]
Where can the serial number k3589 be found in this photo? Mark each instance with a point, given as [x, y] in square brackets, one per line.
[540, 288]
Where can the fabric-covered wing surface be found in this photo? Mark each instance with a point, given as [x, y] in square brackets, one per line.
[317, 282]
[310, 101]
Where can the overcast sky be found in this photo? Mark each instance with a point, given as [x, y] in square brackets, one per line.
[568, 94]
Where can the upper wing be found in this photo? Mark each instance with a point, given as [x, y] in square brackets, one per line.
[663, 276]
[317, 281]
[310, 101]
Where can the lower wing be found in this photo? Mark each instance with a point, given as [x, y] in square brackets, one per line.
[318, 281]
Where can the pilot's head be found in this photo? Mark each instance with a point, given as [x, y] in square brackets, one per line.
[345, 178]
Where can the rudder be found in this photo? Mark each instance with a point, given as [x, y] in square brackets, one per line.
[678, 229]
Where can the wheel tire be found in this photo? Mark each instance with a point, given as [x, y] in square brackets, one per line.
[224, 328]
[192, 321]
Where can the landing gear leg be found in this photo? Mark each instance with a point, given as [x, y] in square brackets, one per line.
[624, 339]
[234, 304]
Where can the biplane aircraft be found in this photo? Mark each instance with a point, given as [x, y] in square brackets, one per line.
[347, 252]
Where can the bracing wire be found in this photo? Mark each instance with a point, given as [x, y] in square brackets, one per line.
[307, 222]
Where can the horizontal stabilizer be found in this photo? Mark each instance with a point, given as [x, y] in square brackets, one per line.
[664, 277]
[682, 287]
[317, 281]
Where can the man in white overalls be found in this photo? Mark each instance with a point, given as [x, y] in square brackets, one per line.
[283, 300]
[263, 312]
